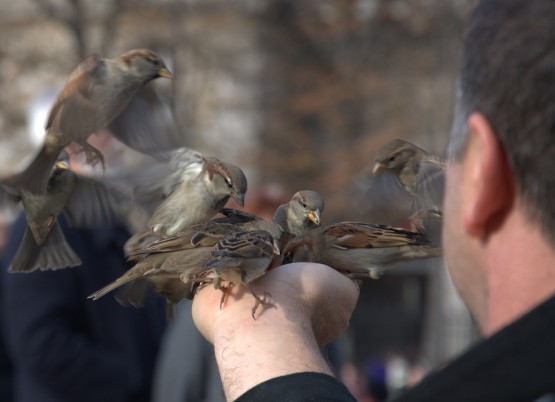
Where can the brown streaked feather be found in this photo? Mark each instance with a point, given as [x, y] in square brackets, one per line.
[130, 55]
[212, 167]
[252, 244]
[365, 235]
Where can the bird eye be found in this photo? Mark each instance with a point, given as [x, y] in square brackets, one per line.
[287, 259]
[154, 61]
[229, 183]
[303, 204]
[392, 158]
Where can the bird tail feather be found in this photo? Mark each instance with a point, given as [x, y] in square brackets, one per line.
[34, 178]
[55, 253]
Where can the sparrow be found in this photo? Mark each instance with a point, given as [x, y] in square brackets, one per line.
[193, 189]
[301, 213]
[85, 203]
[419, 173]
[359, 249]
[97, 91]
[247, 255]
[167, 263]
[240, 258]
[184, 257]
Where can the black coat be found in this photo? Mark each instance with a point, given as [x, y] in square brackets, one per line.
[65, 347]
[517, 364]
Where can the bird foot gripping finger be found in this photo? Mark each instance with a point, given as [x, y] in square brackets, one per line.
[225, 291]
[261, 301]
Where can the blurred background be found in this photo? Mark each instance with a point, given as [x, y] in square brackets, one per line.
[301, 95]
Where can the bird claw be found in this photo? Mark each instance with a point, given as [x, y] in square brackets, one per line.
[261, 301]
[92, 155]
[417, 219]
[225, 290]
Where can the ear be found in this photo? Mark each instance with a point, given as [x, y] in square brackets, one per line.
[487, 179]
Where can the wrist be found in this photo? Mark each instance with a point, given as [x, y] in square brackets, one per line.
[313, 304]
[280, 341]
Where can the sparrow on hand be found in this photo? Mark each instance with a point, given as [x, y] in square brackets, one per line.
[85, 203]
[245, 256]
[241, 258]
[193, 188]
[171, 264]
[167, 264]
[300, 214]
[419, 173]
[361, 250]
[97, 91]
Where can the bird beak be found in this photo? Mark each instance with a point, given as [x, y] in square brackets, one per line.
[165, 73]
[240, 198]
[314, 216]
[378, 168]
[276, 247]
[62, 164]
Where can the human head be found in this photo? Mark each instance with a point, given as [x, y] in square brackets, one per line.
[506, 115]
[507, 74]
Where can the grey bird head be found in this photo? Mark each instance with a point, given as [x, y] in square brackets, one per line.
[228, 181]
[303, 212]
[395, 155]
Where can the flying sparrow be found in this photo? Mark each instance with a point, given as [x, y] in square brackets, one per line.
[419, 173]
[193, 189]
[85, 203]
[97, 91]
[360, 249]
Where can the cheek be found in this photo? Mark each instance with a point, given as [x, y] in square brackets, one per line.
[453, 234]
[459, 249]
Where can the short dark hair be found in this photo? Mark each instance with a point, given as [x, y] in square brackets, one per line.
[508, 74]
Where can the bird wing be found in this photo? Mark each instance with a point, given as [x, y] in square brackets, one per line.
[9, 196]
[251, 244]
[201, 235]
[235, 216]
[75, 97]
[92, 203]
[429, 182]
[161, 177]
[347, 235]
[147, 124]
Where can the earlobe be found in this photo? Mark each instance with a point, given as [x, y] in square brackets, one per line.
[488, 188]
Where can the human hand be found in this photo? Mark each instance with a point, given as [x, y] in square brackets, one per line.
[304, 291]
[313, 306]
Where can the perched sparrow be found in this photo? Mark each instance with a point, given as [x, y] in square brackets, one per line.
[168, 262]
[185, 256]
[419, 173]
[85, 203]
[361, 249]
[241, 258]
[193, 189]
[97, 91]
[301, 213]
[245, 256]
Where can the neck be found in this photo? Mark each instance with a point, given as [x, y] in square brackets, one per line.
[521, 272]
